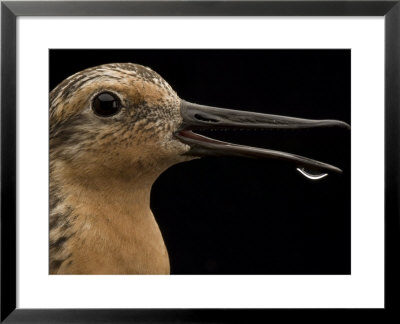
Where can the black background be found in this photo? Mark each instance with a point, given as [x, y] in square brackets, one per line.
[239, 216]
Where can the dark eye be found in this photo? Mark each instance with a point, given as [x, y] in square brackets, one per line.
[106, 104]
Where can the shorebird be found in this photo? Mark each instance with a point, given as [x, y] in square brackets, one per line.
[114, 129]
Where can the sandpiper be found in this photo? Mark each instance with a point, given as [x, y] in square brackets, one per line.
[114, 129]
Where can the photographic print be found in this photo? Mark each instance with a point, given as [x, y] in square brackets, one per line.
[203, 161]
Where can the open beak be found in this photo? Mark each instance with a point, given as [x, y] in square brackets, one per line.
[199, 117]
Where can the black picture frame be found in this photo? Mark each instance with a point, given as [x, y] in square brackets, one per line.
[10, 10]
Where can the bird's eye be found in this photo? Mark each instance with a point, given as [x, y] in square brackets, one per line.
[106, 104]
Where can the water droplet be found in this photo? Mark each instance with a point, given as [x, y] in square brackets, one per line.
[310, 175]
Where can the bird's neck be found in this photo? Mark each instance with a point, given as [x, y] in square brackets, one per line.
[103, 225]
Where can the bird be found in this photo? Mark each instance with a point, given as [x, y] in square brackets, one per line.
[113, 130]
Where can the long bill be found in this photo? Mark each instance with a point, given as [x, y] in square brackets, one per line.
[199, 117]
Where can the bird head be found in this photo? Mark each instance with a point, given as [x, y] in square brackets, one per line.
[125, 120]
[118, 119]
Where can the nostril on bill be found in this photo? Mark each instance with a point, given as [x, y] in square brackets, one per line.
[206, 119]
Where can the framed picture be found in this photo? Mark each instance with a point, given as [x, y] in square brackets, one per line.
[310, 223]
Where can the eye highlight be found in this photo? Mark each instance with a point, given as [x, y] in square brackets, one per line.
[106, 104]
